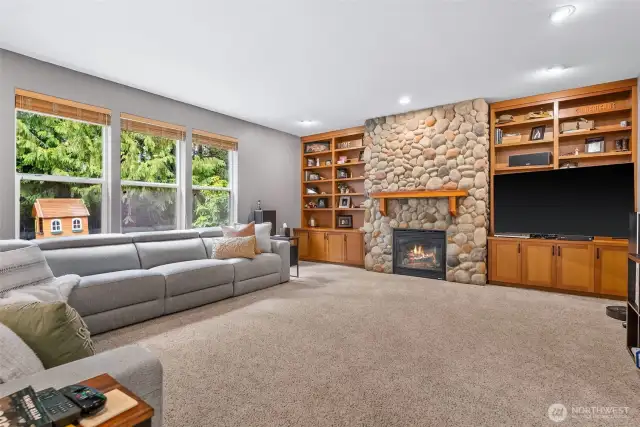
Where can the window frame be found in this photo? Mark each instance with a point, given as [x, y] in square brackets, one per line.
[73, 225]
[232, 188]
[106, 139]
[53, 224]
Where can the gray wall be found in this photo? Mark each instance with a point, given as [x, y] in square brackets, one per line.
[269, 160]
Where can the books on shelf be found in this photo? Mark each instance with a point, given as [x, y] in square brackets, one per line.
[498, 136]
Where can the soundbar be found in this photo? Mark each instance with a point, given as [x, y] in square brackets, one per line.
[533, 159]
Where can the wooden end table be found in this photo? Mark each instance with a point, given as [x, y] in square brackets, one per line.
[293, 251]
[140, 415]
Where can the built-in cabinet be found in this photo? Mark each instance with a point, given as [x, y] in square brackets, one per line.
[598, 267]
[346, 247]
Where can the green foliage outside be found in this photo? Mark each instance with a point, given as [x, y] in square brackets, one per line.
[53, 146]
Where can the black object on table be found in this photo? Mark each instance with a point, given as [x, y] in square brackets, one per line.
[260, 216]
[293, 251]
[60, 408]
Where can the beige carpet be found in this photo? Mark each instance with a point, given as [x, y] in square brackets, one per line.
[342, 346]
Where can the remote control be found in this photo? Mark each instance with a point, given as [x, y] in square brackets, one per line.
[90, 400]
[61, 410]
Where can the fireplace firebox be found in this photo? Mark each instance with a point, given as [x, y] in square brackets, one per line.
[419, 253]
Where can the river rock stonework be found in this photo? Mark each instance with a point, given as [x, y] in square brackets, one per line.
[432, 149]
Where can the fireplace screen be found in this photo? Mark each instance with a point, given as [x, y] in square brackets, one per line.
[419, 253]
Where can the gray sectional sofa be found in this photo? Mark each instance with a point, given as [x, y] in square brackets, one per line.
[129, 278]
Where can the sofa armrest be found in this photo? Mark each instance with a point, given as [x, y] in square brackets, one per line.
[283, 248]
[132, 366]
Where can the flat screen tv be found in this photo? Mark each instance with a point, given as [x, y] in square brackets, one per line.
[590, 201]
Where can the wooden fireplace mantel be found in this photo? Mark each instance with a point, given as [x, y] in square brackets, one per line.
[450, 194]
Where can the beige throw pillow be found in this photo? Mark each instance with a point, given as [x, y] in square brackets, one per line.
[234, 247]
[241, 230]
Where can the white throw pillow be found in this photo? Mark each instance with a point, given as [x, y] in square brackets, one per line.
[263, 236]
[16, 358]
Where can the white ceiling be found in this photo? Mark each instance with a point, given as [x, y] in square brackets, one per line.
[335, 61]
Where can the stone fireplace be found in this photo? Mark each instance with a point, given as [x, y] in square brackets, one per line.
[442, 148]
[419, 252]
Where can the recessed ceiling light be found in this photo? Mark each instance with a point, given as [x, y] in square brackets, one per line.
[404, 100]
[556, 70]
[307, 122]
[562, 13]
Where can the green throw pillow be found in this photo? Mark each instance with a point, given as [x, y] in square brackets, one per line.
[54, 331]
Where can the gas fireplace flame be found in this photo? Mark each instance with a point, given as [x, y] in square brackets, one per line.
[418, 251]
[419, 254]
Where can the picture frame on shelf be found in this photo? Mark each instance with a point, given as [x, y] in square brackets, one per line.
[537, 133]
[594, 145]
[361, 156]
[342, 160]
[344, 221]
[344, 202]
[327, 162]
[311, 162]
[313, 176]
[323, 203]
[316, 147]
[342, 173]
[310, 191]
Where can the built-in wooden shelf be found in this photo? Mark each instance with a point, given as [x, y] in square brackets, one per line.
[319, 153]
[525, 122]
[339, 165]
[349, 194]
[317, 195]
[349, 209]
[596, 155]
[342, 230]
[360, 178]
[595, 113]
[318, 209]
[521, 144]
[599, 131]
[318, 167]
[317, 181]
[340, 150]
[507, 169]
[450, 194]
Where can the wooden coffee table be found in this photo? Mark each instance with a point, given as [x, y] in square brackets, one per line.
[139, 415]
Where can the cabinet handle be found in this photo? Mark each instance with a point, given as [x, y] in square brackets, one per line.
[553, 250]
[559, 251]
[597, 253]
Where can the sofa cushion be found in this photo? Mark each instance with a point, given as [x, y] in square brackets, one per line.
[12, 245]
[261, 265]
[90, 255]
[189, 276]
[210, 231]
[108, 291]
[156, 249]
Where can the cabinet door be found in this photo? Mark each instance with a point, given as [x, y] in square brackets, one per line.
[335, 247]
[575, 266]
[504, 261]
[354, 248]
[611, 270]
[303, 244]
[317, 245]
[538, 263]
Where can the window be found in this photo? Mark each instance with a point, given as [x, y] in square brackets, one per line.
[76, 225]
[149, 171]
[212, 161]
[56, 226]
[59, 155]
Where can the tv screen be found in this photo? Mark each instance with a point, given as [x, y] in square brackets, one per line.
[591, 201]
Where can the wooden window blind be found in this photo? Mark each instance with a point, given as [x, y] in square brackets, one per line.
[214, 140]
[45, 104]
[152, 127]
